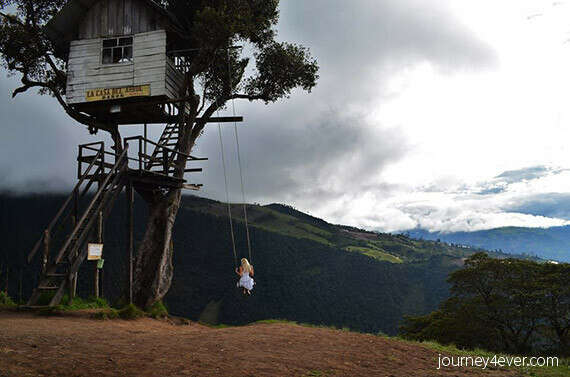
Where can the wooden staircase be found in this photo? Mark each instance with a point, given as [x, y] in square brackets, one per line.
[59, 269]
[168, 139]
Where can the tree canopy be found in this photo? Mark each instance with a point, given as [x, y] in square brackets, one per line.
[508, 305]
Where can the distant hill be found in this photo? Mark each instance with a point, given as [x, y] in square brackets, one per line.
[307, 270]
[546, 243]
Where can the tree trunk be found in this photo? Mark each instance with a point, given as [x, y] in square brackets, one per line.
[153, 269]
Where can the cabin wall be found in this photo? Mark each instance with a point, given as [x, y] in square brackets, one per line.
[174, 80]
[109, 18]
[150, 65]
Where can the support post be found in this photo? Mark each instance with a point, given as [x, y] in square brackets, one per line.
[7, 274]
[99, 240]
[145, 138]
[20, 287]
[74, 219]
[165, 161]
[46, 252]
[130, 237]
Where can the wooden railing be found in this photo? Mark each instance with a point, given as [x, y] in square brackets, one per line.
[72, 198]
[165, 155]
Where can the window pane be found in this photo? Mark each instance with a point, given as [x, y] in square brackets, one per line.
[126, 41]
[117, 54]
[110, 42]
[107, 55]
[128, 53]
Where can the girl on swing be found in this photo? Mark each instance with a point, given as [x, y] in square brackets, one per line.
[245, 272]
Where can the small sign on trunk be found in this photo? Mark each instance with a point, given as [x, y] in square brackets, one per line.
[94, 251]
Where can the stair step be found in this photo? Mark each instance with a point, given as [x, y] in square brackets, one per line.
[47, 288]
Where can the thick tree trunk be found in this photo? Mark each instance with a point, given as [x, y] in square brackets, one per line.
[153, 262]
[153, 269]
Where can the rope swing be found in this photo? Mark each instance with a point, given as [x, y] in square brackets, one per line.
[240, 176]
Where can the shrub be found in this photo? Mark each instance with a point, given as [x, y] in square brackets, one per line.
[131, 312]
[157, 310]
[5, 300]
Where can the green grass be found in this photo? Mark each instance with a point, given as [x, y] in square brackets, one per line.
[6, 301]
[128, 312]
[375, 253]
[157, 310]
[290, 226]
[106, 314]
[563, 369]
[131, 311]
[80, 303]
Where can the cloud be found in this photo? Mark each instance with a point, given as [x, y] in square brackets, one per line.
[360, 44]
[322, 152]
[554, 205]
[525, 174]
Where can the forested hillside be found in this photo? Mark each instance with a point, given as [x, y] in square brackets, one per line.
[546, 243]
[307, 270]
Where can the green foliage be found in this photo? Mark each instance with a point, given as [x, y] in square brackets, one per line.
[375, 253]
[504, 305]
[79, 303]
[106, 314]
[157, 310]
[6, 301]
[130, 312]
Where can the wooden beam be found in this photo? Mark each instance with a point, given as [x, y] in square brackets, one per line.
[190, 186]
[174, 119]
[130, 235]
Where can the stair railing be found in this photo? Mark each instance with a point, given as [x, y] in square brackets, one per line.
[119, 164]
[46, 235]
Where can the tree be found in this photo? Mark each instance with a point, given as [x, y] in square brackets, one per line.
[217, 72]
[554, 290]
[501, 304]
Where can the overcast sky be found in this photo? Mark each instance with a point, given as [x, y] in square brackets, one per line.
[445, 114]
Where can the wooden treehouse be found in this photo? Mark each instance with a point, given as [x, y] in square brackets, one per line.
[122, 69]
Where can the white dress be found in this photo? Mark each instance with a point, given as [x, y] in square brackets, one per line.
[246, 281]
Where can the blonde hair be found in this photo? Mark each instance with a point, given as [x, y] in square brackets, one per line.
[246, 266]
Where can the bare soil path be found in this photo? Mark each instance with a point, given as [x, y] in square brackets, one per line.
[32, 345]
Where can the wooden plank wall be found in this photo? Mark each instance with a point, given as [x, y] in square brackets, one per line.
[109, 18]
[149, 66]
[174, 80]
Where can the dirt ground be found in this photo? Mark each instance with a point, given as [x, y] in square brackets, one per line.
[32, 345]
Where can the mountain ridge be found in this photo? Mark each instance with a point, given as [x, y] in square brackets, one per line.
[551, 243]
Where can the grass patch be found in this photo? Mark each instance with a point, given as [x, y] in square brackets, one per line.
[80, 303]
[157, 310]
[375, 253]
[563, 369]
[106, 314]
[131, 311]
[6, 301]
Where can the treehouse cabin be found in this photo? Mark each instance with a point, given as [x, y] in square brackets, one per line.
[120, 67]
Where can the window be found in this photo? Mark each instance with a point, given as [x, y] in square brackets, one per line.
[117, 50]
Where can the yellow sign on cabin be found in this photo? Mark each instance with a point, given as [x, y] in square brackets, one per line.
[117, 93]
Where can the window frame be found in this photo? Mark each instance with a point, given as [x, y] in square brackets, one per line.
[117, 45]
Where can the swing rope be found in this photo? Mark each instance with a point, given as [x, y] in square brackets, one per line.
[239, 160]
[227, 194]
